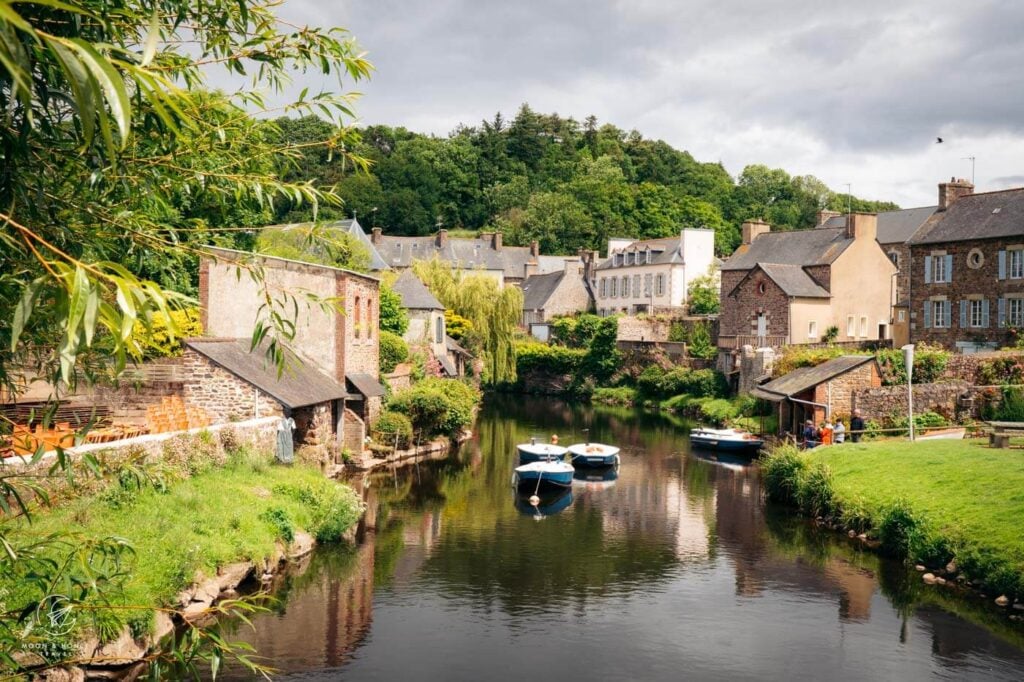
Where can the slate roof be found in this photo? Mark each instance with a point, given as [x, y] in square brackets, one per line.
[988, 215]
[300, 384]
[415, 294]
[537, 289]
[448, 365]
[453, 345]
[804, 378]
[793, 280]
[356, 230]
[479, 252]
[663, 251]
[366, 384]
[819, 246]
[894, 227]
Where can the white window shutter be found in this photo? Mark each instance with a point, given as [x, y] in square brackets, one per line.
[1002, 310]
[947, 312]
[1002, 264]
[927, 270]
[949, 267]
[927, 314]
[984, 313]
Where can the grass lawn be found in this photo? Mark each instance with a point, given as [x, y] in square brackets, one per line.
[970, 493]
[225, 514]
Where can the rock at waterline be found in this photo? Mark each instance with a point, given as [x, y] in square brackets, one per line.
[1002, 600]
[951, 567]
[919, 568]
[928, 578]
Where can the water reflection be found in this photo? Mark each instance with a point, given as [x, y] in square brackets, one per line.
[669, 566]
[545, 505]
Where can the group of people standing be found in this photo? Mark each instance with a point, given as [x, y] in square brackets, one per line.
[828, 433]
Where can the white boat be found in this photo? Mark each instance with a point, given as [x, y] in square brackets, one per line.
[541, 474]
[539, 452]
[943, 434]
[594, 454]
[730, 440]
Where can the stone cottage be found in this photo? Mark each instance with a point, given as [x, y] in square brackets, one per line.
[426, 320]
[335, 315]
[819, 393]
[967, 276]
[565, 292]
[782, 288]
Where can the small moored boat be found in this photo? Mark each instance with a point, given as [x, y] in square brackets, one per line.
[539, 452]
[725, 439]
[544, 474]
[594, 454]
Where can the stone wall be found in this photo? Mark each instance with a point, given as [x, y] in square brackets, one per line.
[839, 392]
[570, 296]
[643, 329]
[946, 399]
[223, 395]
[961, 367]
[354, 432]
[740, 311]
[400, 379]
[357, 344]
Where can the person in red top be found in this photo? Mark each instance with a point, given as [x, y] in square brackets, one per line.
[826, 433]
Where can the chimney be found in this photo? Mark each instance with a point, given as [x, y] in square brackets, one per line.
[573, 266]
[953, 190]
[375, 236]
[825, 215]
[534, 248]
[442, 238]
[529, 268]
[752, 229]
[497, 241]
[862, 226]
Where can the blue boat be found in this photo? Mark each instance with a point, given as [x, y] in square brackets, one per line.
[594, 455]
[547, 505]
[538, 475]
[728, 440]
[540, 452]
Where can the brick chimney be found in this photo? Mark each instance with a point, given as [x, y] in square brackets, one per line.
[589, 260]
[375, 235]
[529, 268]
[862, 226]
[442, 238]
[534, 248]
[752, 229]
[953, 190]
[825, 215]
[573, 266]
[497, 241]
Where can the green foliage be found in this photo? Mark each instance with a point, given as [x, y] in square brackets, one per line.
[929, 364]
[602, 358]
[456, 326]
[794, 357]
[534, 356]
[393, 427]
[703, 296]
[162, 339]
[657, 383]
[830, 335]
[1011, 408]
[619, 395]
[575, 331]
[922, 420]
[437, 407]
[393, 317]
[282, 524]
[393, 351]
[315, 243]
[781, 470]
[699, 345]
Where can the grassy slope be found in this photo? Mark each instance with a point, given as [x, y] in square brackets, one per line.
[973, 494]
[209, 520]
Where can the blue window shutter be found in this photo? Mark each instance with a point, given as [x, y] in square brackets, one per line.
[1002, 264]
[963, 314]
[949, 268]
[984, 313]
[1002, 310]
[927, 314]
[927, 269]
[947, 312]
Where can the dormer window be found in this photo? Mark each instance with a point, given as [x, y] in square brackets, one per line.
[618, 259]
[647, 255]
[627, 257]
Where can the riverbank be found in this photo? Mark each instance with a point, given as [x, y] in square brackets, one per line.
[167, 541]
[952, 507]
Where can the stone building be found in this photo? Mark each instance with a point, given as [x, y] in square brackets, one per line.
[565, 292]
[967, 269]
[427, 323]
[336, 322]
[782, 288]
[818, 393]
[652, 275]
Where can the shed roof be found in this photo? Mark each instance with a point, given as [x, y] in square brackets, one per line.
[453, 345]
[819, 246]
[448, 365]
[537, 289]
[799, 380]
[299, 385]
[415, 294]
[793, 280]
[894, 227]
[989, 215]
[366, 384]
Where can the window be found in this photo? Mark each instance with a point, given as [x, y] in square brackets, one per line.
[851, 326]
[659, 286]
[618, 259]
[863, 326]
[647, 284]
[359, 316]
[1016, 258]
[941, 268]
[1015, 312]
[901, 316]
[975, 313]
[604, 287]
[939, 319]
[369, 318]
[894, 256]
[439, 330]
[625, 287]
[627, 258]
[613, 285]
[647, 255]
[636, 285]
[812, 329]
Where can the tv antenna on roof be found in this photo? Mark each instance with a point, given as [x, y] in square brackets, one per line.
[972, 160]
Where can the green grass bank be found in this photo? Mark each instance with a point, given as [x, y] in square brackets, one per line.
[929, 502]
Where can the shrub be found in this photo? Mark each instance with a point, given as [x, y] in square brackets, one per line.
[923, 420]
[437, 406]
[795, 357]
[391, 426]
[831, 334]
[621, 395]
[393, 351]
[781, 470]
[156, 340]
[898, 528]
[815, 494]
[456, 326]
[655, 382]
[700, 345]
[1012, 407]
[575, 332]
[282, 524]
[536, 356]
[929, 364]
[191, 454]
[393, 317]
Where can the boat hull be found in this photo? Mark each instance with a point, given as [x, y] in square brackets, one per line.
[715, 441]
[544, 475]
[540, 453]
[594, 455]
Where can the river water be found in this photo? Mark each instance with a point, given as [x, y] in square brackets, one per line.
[673, 570]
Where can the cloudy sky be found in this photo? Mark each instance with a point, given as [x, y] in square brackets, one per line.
[852, 92]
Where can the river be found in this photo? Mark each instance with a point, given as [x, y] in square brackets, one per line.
[675, 569]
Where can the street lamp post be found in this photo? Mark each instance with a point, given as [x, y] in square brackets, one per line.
[908, 363]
